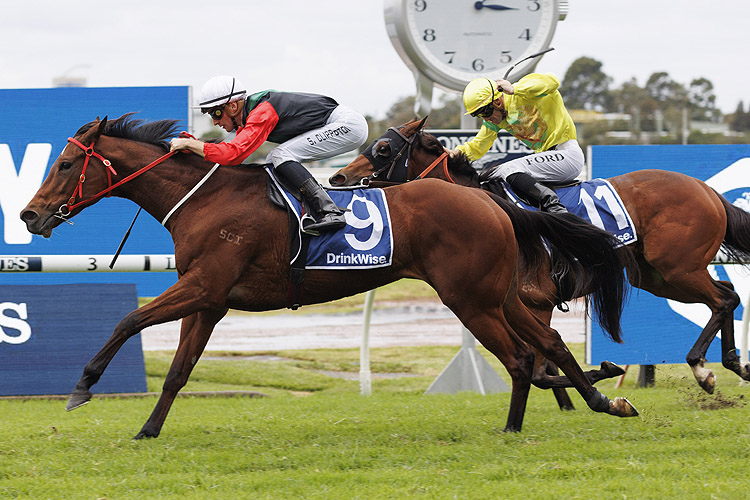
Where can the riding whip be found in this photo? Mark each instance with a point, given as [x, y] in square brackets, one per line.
[124, 239]
[505, 77]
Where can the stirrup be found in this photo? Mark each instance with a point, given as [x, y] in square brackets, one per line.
[328, 222]
[555, 208]
[305, 222]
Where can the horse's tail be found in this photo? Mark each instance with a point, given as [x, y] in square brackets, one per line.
[586, 251]
[736, 244]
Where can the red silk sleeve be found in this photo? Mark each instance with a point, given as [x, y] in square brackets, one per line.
[261, 121]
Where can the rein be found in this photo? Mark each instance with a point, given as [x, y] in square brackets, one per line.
[65, 210]
[397, 171]
[442, 158]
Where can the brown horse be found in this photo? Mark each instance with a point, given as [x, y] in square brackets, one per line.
[455, 238]
[667, 208]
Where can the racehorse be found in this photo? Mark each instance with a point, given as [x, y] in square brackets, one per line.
[457, 239]
[681, 222]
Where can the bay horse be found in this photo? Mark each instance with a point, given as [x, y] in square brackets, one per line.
[457, 239]
[681, 222]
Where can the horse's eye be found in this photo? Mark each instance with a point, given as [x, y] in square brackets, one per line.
[383, 149]
[65, 165]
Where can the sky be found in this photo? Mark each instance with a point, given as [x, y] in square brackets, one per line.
[340, 47]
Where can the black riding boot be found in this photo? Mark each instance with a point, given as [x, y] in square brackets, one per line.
[526, 186]
[328, 217]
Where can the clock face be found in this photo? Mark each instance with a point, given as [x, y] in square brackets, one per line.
[455, 41]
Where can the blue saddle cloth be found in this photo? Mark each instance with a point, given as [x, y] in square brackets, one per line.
[595, 201]
[365, 242]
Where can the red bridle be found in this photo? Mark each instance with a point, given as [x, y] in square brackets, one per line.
[71, 205]
[442, 158]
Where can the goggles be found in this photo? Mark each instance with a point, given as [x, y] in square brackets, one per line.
[216, 112]
[484, 111]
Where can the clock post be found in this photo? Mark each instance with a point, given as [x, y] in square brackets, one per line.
[449, 43]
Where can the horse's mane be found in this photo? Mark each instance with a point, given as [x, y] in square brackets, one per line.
[126, 127]
[458, 164]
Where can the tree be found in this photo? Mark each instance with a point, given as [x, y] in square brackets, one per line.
[633, 99]
[739, 121]
[586, 86]
[664, 90]
[703, 100]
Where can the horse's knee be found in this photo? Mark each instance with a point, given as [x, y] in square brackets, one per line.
[174, 384]
[520, 366]
[176, 379]
[541, 381]
[542, 371]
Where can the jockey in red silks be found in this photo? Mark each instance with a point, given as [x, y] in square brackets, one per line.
[306, 127]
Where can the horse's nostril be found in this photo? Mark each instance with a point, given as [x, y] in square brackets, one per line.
[337, 180]
[29, 216]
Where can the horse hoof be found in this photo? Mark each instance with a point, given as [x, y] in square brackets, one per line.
[708, 384]
[621, 407]
[611, 369]
[78, 399]
[146, 433]
[745, 372]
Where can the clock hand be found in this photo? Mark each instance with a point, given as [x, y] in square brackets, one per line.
[480, 4]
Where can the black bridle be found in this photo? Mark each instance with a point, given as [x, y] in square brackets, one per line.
[395, 164]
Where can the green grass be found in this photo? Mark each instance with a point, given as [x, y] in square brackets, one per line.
[316, 437]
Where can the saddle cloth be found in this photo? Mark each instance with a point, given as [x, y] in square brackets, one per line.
[366, 242]
[595, 201]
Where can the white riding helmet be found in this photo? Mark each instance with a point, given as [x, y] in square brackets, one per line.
[221, 89]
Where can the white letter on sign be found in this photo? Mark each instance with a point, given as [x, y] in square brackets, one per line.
[18, 323]
[16, 189]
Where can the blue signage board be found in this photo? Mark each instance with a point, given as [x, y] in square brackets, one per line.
[28, 147]
[657, 330]
[49, 332]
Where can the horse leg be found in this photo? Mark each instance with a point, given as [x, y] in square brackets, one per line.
[182, 299]
[546, 374]
[729, 357]
[699, 287]
[722, 317]
[553, 380]
[543, 368]
[194, 334]
[549, 343]
[493, 332]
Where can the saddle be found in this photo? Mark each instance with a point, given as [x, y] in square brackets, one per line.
[299, 242]
[595, 201]
[364, 243]
[501, 188]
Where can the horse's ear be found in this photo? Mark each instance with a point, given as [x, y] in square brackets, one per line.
[422, 123]
[100, 127]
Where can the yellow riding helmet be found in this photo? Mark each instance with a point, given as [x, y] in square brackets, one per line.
[479, 92]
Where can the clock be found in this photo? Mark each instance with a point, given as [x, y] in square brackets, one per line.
[451, 42]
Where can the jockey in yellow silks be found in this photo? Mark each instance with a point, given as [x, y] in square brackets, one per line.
[532, 110]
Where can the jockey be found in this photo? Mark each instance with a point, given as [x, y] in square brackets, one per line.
[532, 110]
[305, 127]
